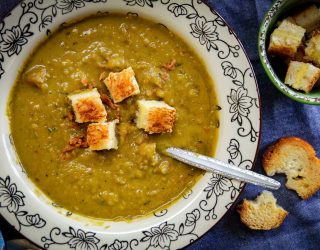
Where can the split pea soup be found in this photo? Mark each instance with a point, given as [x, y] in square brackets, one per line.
[137, 178]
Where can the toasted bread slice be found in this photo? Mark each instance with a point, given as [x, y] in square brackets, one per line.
[88, 107]
[297, 159]
[302, 76]
[285, 40]
[155, 116]
[308, 18]
[122, 85]
[312, 51]
[102, 136]
[262, 213]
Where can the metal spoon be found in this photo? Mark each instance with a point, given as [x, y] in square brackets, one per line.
[213, 165]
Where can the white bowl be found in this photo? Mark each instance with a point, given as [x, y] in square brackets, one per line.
[33, 214]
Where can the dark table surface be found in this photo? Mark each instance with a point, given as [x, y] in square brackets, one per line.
[280, 117]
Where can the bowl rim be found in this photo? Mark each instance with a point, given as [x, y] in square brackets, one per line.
[286, 90]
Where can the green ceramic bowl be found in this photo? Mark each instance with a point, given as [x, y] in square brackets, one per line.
[275, 69]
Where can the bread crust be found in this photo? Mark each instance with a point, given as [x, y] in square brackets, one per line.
[263, 213]
[297, 159]
[282, 51]
[312, 82]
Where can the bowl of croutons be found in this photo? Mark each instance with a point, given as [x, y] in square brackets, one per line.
[288, 48]
[92, 93]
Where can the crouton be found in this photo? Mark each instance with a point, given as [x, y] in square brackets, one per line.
[289, 19]
[37, 75]
[312, 51]
[297, 159]
[102, 136]
[88, 107]
[309, 18]
[262, 213]
[155, 116]
[285, 40]
[122, 85]
[302, 76]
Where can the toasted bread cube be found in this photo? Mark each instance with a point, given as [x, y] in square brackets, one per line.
[122, 85]
[289, 19]
[309, 18]
[286, 39]
[102, 136]
[312, 51]
[155, 116]
[302, 76]
[88, 107]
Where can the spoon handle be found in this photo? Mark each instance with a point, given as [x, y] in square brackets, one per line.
[213, 165]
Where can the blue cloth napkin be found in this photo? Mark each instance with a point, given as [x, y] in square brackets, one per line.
[280, 117]
[1, 242]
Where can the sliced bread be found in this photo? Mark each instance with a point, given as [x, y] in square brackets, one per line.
[297, 159]
[263, 213]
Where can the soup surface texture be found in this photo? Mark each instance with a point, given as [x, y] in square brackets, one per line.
[137, 178]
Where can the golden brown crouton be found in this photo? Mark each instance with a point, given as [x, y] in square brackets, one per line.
[297, 159]
[262, 213]
[122, 84]
[302, 76]
[285, 40]
[88, 107]
[312, 51]
[102, 136]
[155, 116]
[308, 18]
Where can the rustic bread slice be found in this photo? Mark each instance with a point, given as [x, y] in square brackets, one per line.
[262, 213]
[302, 76]
[286, 39]
[297, 159]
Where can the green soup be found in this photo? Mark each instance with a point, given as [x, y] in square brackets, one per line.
[138, 178]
